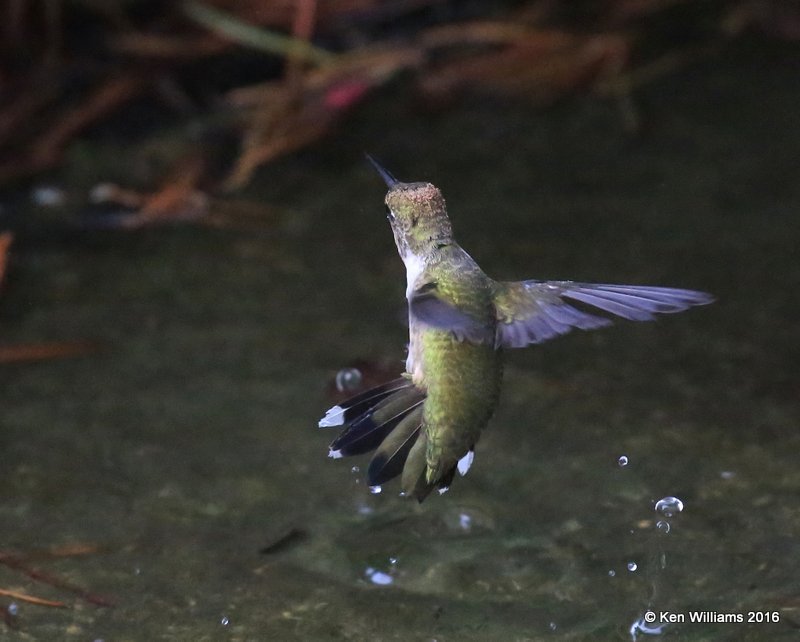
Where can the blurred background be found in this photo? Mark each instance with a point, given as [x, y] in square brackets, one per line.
[195, 265]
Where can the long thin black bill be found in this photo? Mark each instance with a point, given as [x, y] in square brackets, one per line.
[390, 180]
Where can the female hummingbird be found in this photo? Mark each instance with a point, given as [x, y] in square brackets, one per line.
[425, 424]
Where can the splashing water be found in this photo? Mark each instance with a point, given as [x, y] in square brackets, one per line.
[640, 625]
[645, 624]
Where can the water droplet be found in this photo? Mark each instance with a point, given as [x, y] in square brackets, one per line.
[465, 521]
[375, 490]
[392, 561]
[355, 469]
[727, 474]
[224, 621]
[553, 626]
[632, 566]
[612, 573]
[13, 608]
[348, 379]
[663, 526]
[622, 461]
[669, 506]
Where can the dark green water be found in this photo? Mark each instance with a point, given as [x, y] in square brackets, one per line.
[188, 442]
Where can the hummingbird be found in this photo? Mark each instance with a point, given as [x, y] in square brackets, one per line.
[424, 425]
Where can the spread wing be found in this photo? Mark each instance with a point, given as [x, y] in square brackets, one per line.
[536, 311]
[433, 306]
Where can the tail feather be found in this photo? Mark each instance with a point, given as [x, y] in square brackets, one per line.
[388, 419]
[390, 457]
[413, 479]
[444, 483]
[368, 430]
[346, 411]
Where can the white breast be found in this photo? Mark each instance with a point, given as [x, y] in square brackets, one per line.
[414, 267]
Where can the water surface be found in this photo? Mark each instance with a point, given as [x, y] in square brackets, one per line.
[187, 442]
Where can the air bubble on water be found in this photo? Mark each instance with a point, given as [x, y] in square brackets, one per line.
[553, 626]
[465, 521]
[355, 469]
[632, 566]
[348, 379]
[375, 490]
[727, 474]
[663, 526]
[612, 573]
[224, 621]
[381, 578]
[669, 506]
[622, 461]
[12, 609]
[392, 561]
[378, 577]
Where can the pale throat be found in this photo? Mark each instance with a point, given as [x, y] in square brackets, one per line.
[415, 265]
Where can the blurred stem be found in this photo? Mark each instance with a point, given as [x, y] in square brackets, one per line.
[263, 39]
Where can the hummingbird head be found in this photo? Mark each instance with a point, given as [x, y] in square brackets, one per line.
[417, 214]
